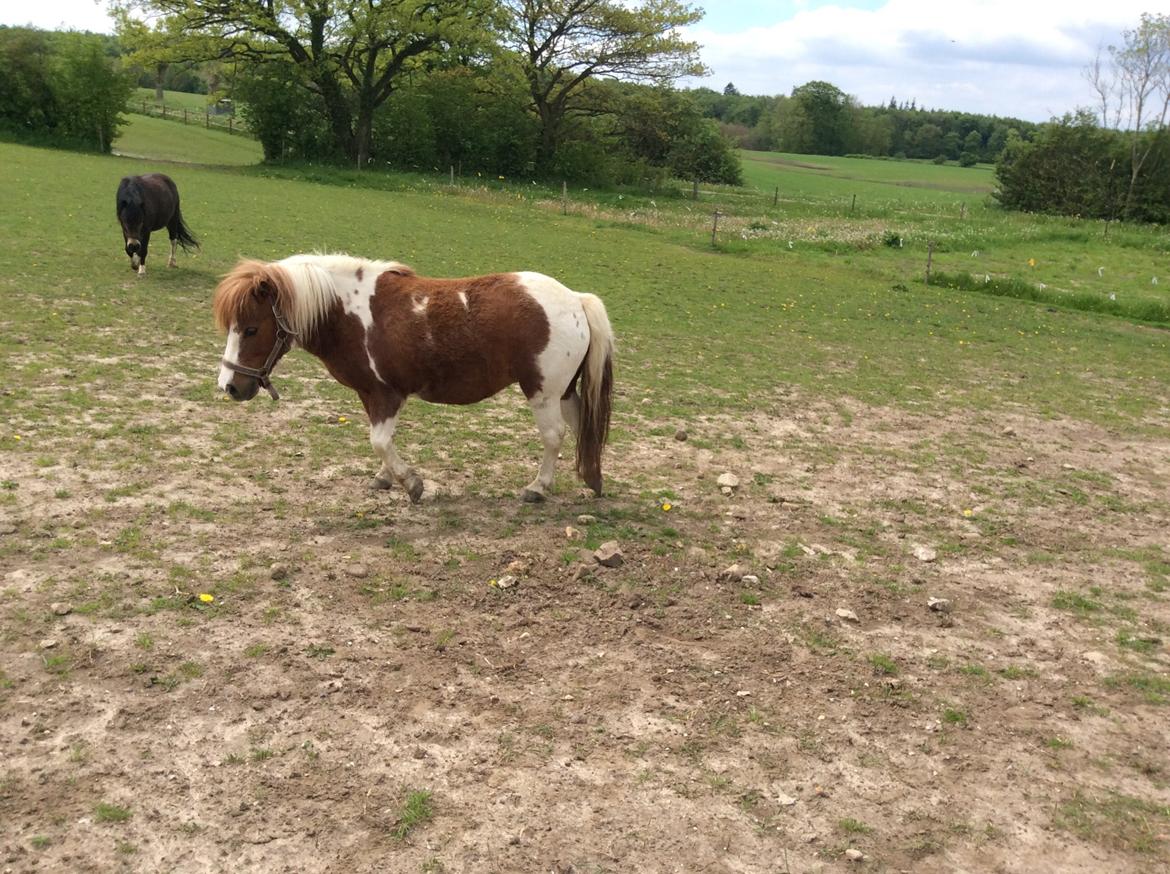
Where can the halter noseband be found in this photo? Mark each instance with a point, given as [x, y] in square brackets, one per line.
[284, 337]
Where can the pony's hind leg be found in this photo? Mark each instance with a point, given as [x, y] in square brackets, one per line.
[551, 425]
[393, 467]
[571, 411]
[171, 262]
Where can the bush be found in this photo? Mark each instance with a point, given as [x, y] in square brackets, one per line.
[61, 88]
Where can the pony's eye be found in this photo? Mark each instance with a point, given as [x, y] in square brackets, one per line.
[249, 332]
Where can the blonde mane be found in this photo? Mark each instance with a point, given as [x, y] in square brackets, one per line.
[303, 291]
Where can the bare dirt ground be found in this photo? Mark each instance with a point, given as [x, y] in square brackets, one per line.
[661, 716]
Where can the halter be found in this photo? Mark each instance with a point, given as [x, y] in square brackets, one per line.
[284, 337]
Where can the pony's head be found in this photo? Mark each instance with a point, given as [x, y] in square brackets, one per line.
[131, 214]
[252, 304]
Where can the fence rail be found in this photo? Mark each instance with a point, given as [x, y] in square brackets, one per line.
[185, 115]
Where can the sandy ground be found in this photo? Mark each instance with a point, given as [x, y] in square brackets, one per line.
[660, 716]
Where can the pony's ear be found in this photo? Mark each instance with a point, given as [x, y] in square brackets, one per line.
[262, 290]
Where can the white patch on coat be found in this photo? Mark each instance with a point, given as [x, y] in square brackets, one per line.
[463, 300]
[419, 306]
[338, 273]
[567, 343]
[231, 352]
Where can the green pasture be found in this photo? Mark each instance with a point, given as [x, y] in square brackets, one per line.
[701, 329]
[826, 179]
[179, 100]
[173, 141]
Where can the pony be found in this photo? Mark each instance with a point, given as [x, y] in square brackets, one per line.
[148, 203]
[387, 333]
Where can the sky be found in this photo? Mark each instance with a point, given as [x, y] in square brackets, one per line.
[1017, 58]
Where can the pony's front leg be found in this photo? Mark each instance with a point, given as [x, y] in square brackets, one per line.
[171, 262]
[144, 245]
[393, 467]
[551, 425]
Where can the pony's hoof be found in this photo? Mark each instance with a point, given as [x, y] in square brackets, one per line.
[414, 488]
[378, 484]
[531, 496]
[172, 263]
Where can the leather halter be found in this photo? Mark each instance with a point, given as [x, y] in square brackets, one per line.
[284, 337]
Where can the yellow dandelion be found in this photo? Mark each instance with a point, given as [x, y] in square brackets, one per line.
[15, 436]
[341, 420]
[968, 513]
[1031, 262]
[206, 598]
[666, 505]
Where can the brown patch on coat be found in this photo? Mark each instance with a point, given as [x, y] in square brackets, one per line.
[449, 353]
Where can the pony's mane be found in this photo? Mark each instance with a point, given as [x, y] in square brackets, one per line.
[303, 285]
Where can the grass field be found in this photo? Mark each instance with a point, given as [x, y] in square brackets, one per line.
[354, 691]
[160, 140]
[179, 100]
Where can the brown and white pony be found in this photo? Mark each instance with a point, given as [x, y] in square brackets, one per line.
[388, 334]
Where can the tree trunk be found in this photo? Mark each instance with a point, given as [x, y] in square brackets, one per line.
[160, 73]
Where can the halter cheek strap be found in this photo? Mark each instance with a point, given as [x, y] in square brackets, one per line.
[284, 337]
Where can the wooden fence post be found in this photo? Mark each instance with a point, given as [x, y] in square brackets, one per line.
[230, 125]
[929, 258]
[714, 227]
[853, 205]
[564, 197]
[207, 117]
[184, 115]
[776, 196]
[695, 191]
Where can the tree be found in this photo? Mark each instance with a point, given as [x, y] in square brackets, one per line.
[351, 53]
[1134, 94]
[562, 44]
[825, 108]
[92, 91]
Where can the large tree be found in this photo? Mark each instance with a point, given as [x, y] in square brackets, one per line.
[562, 44]
[350, 53]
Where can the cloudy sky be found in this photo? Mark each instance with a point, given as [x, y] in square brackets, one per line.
[1019, 58]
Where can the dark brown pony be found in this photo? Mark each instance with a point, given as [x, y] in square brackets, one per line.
[388, 334]
[148, 203]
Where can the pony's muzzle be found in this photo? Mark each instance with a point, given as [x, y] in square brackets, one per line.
[250, 390]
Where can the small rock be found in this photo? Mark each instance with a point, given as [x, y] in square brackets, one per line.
[519, 567]
[925, 553]
[507, 581]
[586, 519]
[854, 855]
[742, 693]
[785, 800]
[60, 608]
[847, 615]
[572, 533]
[278, 572]
[939, 605]
[357, 571]
[732, 574]
[727, 481]
[750, 580]
[680, 435]
[48, 643]
[1009, 431]
[582, 572]
[7, 528]
[1067, 467]
[609, 554]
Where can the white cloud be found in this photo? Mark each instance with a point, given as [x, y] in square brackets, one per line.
[1006, 57]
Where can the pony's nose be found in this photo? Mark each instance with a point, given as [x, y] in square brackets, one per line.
[233, 391]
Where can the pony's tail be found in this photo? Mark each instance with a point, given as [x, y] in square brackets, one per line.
[185, 238]
[596, 392]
